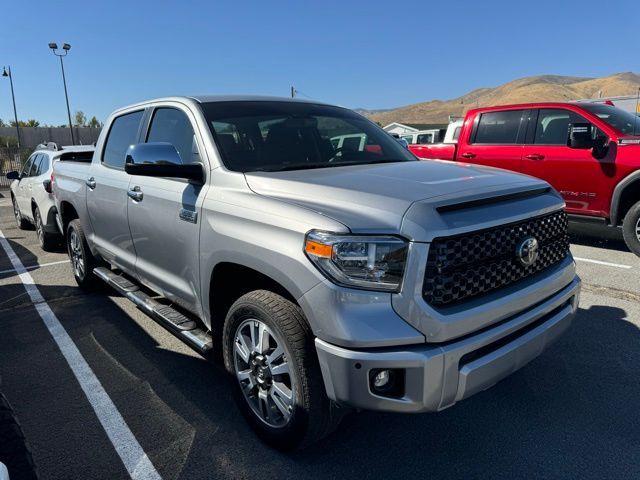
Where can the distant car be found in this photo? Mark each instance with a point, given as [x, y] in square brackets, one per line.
[31, 190]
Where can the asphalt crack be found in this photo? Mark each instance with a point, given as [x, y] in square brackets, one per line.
[611, 292]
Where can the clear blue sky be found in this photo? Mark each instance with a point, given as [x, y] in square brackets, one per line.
[370, 54]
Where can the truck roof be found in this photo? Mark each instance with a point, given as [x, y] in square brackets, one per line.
[516, 106]
[219, 98]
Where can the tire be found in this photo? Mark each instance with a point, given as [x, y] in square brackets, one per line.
[14, 450]
[47, 240]
[289, 341]
[631, 229]
[82, 260]
[20, 222]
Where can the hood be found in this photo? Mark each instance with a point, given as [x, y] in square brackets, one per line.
[374, 198]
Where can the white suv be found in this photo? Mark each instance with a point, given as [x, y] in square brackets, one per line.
[31, 189]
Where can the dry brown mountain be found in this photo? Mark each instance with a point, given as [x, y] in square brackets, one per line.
[529, 89]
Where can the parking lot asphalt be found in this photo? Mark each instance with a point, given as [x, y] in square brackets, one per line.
[571, 413]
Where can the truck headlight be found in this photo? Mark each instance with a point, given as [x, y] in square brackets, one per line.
[362, 261]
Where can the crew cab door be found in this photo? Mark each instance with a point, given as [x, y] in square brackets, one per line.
[106, 189]
[576, 174]
[496, 140]
[165, 221]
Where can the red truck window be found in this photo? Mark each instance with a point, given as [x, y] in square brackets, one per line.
[501, 128]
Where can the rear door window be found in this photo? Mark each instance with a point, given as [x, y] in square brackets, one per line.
[44, 165]
[172, 126]
[500, 128]
[123, 133]
[33, 171]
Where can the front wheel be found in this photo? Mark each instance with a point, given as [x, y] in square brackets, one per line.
[47, 240]
[82, 260]
[631, 229]
[14, 450]
[270, 355]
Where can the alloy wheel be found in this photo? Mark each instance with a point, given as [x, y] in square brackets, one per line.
[16, 212]
[638, 229]
[75, 252]
[39, 227]
[262, 368]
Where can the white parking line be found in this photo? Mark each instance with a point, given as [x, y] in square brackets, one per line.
[600, 262]
[125, 443]
[34, 267]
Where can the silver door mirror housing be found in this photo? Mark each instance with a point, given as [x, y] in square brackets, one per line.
[161, 153]
[159, 159]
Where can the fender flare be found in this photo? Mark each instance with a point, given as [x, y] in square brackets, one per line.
[617, 193]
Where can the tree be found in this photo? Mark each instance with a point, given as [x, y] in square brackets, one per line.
[80, 119]
[2, 124]
[29, 123]
[94, 123]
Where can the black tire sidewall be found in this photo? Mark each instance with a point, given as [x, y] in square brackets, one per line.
[629, 228]
[89, 281]
[289, 436]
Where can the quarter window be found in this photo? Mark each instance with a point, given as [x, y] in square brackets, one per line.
[172, 126]
[123, 133]
[502, 128]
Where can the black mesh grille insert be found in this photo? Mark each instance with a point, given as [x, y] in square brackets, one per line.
[468, 265]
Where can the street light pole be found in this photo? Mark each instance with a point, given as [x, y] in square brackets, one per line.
[6, 72]
[65, 47]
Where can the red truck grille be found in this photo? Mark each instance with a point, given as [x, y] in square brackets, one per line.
[465, 266]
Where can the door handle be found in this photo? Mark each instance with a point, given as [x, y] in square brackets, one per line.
[91, 183]
[468, 155]
[135, 193]
[534, 156]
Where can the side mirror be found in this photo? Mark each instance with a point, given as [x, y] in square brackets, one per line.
[159, 159]
[13, 175]
[580, 136]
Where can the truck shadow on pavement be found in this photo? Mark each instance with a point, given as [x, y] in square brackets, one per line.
[571, 413]
[598, 236]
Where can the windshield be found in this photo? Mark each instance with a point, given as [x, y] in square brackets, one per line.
[623, 121]
[277, 135]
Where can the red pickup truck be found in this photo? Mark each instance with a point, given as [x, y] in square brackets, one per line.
[589, 152]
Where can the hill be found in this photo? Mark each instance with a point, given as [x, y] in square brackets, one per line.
[529, 89]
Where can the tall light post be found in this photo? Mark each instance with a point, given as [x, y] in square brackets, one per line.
[6, 72]
[65, 50]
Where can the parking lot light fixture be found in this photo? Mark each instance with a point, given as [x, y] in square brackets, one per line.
[6, 72]
[65, 50]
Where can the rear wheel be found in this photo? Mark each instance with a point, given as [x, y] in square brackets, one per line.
[631, 229]
[20, 222]
[82, 260]
[270, 355]
[14, 450]
[47, 240]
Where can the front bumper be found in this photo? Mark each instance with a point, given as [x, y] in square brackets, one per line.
[437, 376]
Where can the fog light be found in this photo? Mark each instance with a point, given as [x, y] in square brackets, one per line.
[381, 379]
[387, 382]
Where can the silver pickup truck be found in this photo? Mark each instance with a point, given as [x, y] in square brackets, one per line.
[327, 275]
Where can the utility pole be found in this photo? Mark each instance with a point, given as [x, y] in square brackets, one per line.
[65, 47]
[293, 92]
[6, 72]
